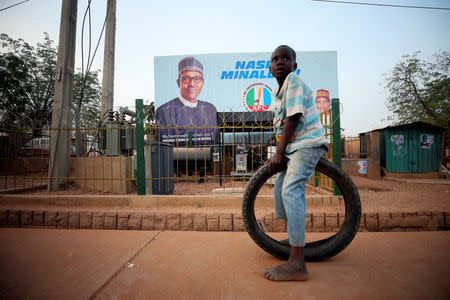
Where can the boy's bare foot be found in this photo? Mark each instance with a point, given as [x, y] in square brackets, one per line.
[286, 272]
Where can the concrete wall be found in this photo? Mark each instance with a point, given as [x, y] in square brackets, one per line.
[105, 174]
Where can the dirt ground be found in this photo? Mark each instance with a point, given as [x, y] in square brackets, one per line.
[383, 194]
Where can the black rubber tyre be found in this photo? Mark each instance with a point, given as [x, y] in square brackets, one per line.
[314, 251]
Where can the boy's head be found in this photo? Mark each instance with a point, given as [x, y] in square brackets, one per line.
[282, 62]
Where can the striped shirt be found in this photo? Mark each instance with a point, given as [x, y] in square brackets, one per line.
[296, 97]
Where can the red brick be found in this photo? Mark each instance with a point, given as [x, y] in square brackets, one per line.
[38, 219]
[212, 222]
[173, 222]
[62, 220]
[74, 220]
[318, 222]
[225, 222]
[98, 220]
[147, 221]
[110, 220]
[238, 223]
[371, 220]
[26, 218]
[331, 222]
[85, 220]
[200, 222]
[160, 222]
[50, 219]
[187, 222]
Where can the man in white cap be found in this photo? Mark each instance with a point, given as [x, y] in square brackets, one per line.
[186, 118]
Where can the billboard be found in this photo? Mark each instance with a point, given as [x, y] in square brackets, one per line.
[189, 89]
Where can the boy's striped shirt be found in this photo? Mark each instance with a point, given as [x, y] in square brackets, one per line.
[296, 97]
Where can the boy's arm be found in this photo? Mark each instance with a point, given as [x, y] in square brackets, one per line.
[289, 125]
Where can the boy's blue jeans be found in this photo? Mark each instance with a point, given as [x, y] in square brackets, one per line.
[289, 191]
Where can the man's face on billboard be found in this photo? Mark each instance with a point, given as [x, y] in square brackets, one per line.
[191, 84]
[323, 104]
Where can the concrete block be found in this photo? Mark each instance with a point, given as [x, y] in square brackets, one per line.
[212, 222]
[438, 220]
[225, 222]
[3, 218]
[200, 222]
[122, 220]
[110, 220]
[160, 222]
[174, 221]
[26, 218]
[331, 222]
[14, 218]
[85, 220]
[135, 221]
[74, 220]
[147, 221]
[268, 221]
[371, 220]
[50, 219]
[187, 222]
[318, 222]
[62, 220]
[98, 220]
[447, 220]
[38, 218]
[238, 223]
[308, 222]
[279, 225]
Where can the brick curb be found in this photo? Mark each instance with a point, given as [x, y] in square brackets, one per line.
[315, 222]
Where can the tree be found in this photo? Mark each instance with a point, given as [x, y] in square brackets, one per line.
[27, 83]
[27, 80]
[420, 90]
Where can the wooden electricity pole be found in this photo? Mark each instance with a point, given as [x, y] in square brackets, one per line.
[60, 141]
[108, 59]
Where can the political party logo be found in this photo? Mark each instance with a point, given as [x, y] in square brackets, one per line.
[256, 97]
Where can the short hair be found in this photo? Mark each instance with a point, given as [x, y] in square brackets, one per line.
[289, 49]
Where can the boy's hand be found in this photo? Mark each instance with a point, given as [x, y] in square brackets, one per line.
[276, 163]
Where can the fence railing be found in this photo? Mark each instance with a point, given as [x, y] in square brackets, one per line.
[117, 158]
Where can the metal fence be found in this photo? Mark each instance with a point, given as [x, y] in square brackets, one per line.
[114, 158]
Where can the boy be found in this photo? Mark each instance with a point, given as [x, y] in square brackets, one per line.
[300, 142]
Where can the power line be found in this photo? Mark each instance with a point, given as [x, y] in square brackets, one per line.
[13, 5]
[380, 4]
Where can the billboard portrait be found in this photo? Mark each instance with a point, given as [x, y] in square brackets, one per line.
[190, 89]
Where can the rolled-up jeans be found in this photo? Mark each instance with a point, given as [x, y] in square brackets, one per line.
[289, 191]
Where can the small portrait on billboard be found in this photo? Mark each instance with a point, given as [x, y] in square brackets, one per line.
[323, 100]
[186, 119]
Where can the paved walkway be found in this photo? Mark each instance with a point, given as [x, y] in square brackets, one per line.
[82, 264]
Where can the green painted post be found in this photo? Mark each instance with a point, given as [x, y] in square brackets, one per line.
[336, 127]
[140, 161]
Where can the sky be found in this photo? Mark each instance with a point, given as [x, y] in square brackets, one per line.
[369, 40]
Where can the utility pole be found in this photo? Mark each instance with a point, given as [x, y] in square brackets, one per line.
[108, 59]
[60, 143]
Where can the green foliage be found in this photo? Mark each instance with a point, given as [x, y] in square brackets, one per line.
[420, 90]
[27, 81]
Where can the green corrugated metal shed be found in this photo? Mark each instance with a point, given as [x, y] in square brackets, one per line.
[410, 148]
